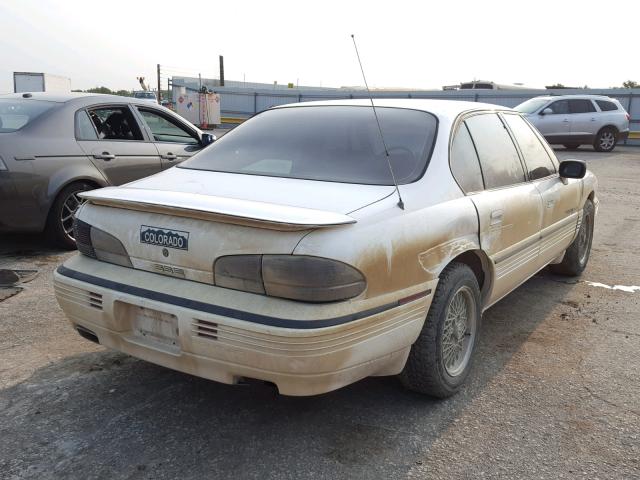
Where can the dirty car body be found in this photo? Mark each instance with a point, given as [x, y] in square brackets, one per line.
[280, 253]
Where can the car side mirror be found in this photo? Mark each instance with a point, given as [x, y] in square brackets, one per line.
[207, 139]
[546, 111]
[572, 169]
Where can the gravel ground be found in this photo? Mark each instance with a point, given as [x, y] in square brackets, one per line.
[555, 391]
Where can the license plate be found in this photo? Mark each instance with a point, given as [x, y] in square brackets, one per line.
[155, 327]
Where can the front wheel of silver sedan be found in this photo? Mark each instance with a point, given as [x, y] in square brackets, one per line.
[61, 215]
[440, 359]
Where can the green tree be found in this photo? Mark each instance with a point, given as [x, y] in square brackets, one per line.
[100, 90]
[630, 84]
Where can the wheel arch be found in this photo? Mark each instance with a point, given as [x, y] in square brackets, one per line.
[480, 264]
[608, 125]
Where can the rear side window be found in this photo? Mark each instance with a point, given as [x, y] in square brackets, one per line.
[581, 106]
[84, 128]
[499, 158]
[535, 156]
[15, 113]
[115, 123]
[606, 106]
[464, 161]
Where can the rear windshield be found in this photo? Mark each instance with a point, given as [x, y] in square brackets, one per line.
[532, 105]
[329, 143]
[144, 95]
[15, 114]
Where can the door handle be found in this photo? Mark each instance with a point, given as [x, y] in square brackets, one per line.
[593, 119]
[566, 120]
[105, 156]
[169, 156]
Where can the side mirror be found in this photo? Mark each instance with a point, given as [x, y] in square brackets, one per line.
[572, 169]
[207, 139]
[546, 111]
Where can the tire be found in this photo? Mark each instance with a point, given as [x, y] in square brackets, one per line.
[606, 140]
[572, 146]
[59, 231]
[576, 256]
[426, 370]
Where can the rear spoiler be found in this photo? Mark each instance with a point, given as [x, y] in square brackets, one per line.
[220, 209]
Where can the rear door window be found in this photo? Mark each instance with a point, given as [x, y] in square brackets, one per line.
[115, 123]
[536, 158]
[581, 106]
[464, 161]
[499, 158]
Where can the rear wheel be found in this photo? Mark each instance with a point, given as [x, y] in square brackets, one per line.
[577, 255]
[440, 359]
[606, 140]
[61, 215]
[571, 146]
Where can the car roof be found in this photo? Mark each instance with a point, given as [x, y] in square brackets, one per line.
[76, 97]
[575, 97]
[442, 108]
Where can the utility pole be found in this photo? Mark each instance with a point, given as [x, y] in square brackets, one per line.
[221, 70]
[159, 86]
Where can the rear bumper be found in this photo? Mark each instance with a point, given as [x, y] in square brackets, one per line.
[622, 136]
[207, 339]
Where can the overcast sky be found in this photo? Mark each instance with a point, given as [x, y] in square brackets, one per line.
[417, 44]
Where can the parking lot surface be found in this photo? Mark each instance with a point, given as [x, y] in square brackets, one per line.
[554, 393]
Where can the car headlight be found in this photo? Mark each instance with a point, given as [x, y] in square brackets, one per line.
[98, 244]
[296, 277]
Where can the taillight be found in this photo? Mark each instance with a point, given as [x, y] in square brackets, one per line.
[296, 277]
[3, 166]
[98, 244]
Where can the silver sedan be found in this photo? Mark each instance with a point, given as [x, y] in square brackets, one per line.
[54, 146]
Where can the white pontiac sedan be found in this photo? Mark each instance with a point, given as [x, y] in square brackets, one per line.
[282, 252]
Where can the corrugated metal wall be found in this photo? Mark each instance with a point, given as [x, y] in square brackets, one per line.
[243, 103]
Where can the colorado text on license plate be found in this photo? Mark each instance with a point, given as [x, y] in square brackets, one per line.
[164, 237]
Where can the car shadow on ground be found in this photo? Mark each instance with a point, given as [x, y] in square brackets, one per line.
[105, 414]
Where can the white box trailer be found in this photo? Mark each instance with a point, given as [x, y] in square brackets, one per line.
[40, 82]
[202, 109]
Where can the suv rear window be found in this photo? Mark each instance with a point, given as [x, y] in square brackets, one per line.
[15, 113]
[328, 143]
[606, 106]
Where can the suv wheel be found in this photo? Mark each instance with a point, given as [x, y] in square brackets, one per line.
[61, 215]
[606, 140]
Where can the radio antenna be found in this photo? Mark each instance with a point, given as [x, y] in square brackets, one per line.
[386, 151]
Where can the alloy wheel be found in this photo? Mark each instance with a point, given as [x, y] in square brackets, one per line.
[459, 331]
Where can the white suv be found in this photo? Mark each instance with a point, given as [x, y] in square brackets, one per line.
[574, 120]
